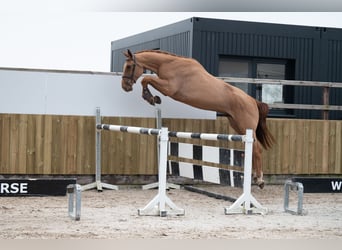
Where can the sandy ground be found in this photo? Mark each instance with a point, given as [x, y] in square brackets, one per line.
[113, 215]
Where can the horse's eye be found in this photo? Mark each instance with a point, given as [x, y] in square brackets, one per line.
[128, 67]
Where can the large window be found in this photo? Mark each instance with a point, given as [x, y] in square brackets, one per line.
[263, 68]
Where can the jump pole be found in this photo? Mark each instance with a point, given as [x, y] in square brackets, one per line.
[98, 184]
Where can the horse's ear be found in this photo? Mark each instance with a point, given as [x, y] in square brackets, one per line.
[128, 54]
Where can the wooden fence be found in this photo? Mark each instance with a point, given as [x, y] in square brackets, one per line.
[65, 145]
[325, 107]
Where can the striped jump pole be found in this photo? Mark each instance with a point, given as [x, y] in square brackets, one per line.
[185, 135]
[129, 129]
[206, 136]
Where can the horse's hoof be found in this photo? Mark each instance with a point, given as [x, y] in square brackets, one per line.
[151, 101]
[157, 99]
[261, 184]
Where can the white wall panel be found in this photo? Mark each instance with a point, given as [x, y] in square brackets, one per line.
[79, 93]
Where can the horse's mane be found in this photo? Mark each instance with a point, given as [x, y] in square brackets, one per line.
[160, 52]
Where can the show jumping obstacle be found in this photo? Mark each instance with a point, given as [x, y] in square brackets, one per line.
[246, 203]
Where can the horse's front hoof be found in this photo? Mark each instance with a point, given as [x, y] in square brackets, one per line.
[127, 88]
[157, 99]
[151, 101]
[261, 184]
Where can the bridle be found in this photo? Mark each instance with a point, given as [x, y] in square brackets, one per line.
[130, 77]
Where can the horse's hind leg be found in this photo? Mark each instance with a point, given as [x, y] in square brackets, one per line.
[256, 157]
[257, 164]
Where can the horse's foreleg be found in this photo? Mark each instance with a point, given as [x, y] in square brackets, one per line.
[257, 165]
[146, 93]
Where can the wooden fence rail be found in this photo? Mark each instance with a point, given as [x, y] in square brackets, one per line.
[325, 107]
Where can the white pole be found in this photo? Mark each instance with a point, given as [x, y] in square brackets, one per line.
[247, 181]
[163, 142]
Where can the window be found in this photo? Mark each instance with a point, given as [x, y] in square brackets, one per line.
[235, 68]
[271, 93]
[264, 68]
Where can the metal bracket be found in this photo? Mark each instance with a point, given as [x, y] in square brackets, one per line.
[74, 201]
[297, 186]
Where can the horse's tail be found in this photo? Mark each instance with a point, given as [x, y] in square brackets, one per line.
[263, 135]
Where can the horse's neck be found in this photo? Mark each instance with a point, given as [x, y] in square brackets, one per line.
[151, 61]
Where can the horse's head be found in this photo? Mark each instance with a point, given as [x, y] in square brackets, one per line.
[131, 71]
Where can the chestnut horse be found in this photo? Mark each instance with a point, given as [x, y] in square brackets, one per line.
[186, 80]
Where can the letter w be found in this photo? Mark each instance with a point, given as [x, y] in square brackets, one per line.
[336, 185]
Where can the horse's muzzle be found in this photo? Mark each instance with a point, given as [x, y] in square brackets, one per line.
[127, 86]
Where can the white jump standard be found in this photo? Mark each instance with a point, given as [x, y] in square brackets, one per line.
[246, 203]
[157, 206]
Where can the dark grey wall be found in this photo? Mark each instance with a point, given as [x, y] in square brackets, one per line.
[317, 52]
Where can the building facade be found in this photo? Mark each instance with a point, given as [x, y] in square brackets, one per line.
[254, 50]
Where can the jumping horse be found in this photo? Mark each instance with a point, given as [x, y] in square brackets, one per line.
[186, 80]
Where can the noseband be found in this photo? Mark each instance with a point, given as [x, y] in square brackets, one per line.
[131, 76]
